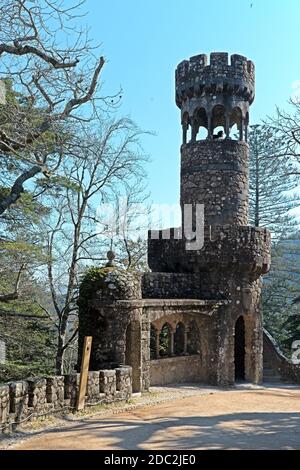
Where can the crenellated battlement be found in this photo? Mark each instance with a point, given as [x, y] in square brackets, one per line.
[218, 75]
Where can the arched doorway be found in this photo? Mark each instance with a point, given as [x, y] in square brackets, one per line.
[239, 349]
[133, 353]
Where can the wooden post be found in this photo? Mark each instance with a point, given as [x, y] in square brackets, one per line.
[85, 361]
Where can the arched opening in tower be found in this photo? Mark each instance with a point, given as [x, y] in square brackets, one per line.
[200, 124]
[239, 349]
[133, 353]
[218, 122]
[236, 121]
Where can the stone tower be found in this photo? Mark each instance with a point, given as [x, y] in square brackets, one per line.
[196, 316]
[214, 172]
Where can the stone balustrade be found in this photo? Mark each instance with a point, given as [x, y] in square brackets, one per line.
[24, 400]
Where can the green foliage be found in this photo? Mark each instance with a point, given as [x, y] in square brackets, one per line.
[164, 340]
[110, 282]
[20, 117]
[29, 335]
[12, 371]
[271, 183]
[58, 183]
[280, 287]
[93, 280]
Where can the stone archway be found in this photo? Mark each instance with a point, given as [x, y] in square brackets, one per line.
[239, 349]
[133, 353]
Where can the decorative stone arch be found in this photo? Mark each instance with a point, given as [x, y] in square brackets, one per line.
[133, 355]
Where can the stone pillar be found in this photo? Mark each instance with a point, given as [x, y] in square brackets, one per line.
[246, 131]
[19, 399]
[195, 128]
[241, 129]
[172, 333]
[184, 132]
[227, 130]
[4, 405]
[209, 131]
[157, 344]
[185, 340]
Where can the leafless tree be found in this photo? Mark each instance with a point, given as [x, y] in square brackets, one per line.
[128, 240]
[287, 127]
[95, 171]
[50, 72]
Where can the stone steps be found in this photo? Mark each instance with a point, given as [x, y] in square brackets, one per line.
[269, 374]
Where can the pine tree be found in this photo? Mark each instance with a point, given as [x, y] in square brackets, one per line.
[271, 183]
[272, 198]
[279, 290]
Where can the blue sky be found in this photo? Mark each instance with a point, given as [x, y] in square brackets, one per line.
[144, 40]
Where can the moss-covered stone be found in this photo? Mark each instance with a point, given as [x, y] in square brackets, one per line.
[108, 284]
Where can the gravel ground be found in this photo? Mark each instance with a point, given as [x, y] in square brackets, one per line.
[187, 416]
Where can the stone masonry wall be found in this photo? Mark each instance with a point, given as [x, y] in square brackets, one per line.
[24, 400]
[176, 369]
[215, 173]
[240, 248]
[287, 371]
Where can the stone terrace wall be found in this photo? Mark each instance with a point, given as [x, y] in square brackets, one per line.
[24, 400]
[287, 371]
[176, 369]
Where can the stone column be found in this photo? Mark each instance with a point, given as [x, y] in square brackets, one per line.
[241, 129]
[195, 128]
[209, 131]
[227, 131]
[157, 344]
[246, 131]
[172, 332]
[184, 132]
[185, 340]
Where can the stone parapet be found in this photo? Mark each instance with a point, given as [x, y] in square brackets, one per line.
[239, 248]
[27, 399]
[196, 75]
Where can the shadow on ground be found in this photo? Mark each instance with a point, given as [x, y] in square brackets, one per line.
[226, 431]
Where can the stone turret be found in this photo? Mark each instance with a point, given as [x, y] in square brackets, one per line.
[214, 171]
[215, 94]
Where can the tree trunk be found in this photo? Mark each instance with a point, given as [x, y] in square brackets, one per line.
[59, 360]
[256, 211]
[17, 188]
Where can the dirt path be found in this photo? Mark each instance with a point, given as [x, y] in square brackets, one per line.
[262, 418]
